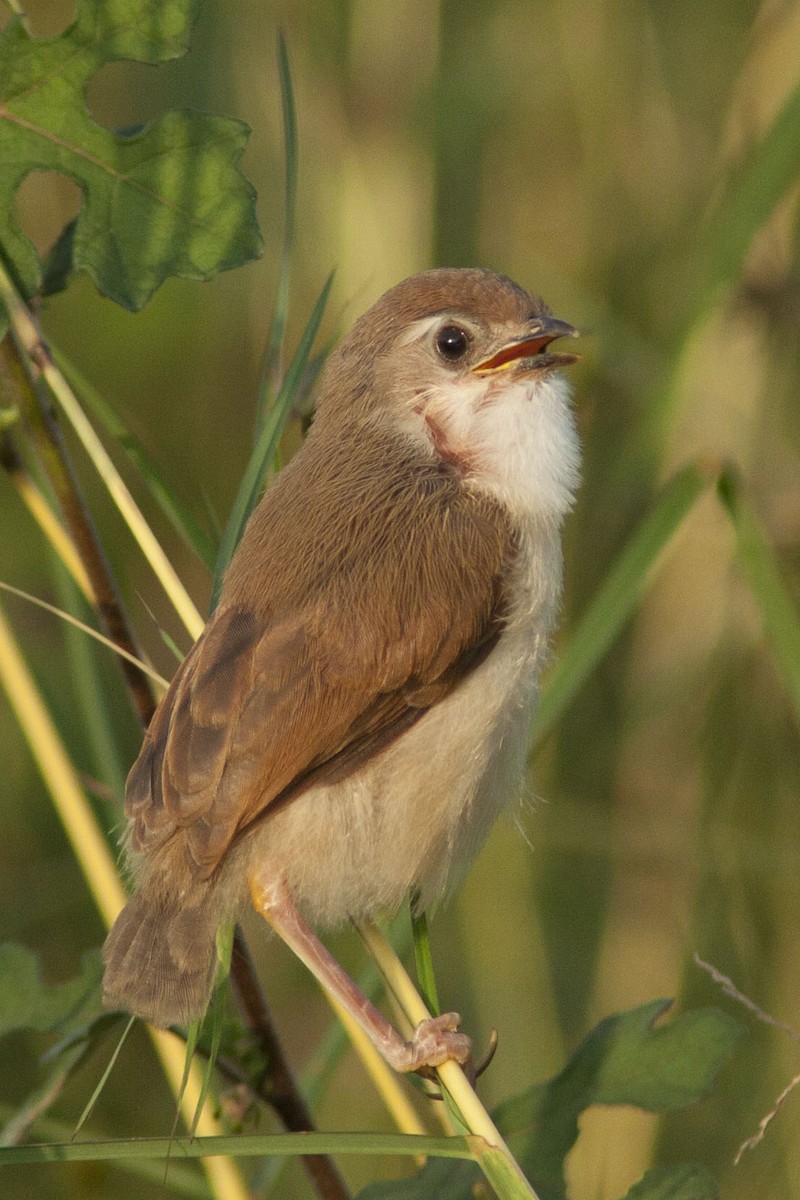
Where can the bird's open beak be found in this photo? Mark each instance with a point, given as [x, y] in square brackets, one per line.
[529, 353]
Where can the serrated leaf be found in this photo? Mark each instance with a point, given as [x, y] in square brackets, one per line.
[684, 1182]
[163, 199]
[626, 1059]
[28, 1003]
[631, 1060]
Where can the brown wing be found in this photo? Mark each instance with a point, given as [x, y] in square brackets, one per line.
[322, 653]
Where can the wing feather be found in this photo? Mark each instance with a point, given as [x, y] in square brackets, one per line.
[311, 667]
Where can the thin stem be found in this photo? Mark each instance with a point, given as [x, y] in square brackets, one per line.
[497, 1162]
[278, 1085]
[33, 499]
[25, 374]
[159, 680]
[16, 10]
[35, 349]
[97, 865]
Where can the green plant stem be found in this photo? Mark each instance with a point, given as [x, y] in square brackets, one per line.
[178, 514]
[271, 377]
[262, 456]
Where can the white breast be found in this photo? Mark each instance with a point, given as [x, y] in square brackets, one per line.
[517, 437]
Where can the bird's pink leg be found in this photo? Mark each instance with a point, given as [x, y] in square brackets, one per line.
[433, 1042]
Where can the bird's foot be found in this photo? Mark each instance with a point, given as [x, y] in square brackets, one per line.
[434, 1041]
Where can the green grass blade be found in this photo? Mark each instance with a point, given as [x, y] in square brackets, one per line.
[90, 691]
[217, 1014]
[103, 1078]
[424, 961]
[274, 350]
[759, 565]
[239, 1146]
[723, 241]
[617, 599]
[178, 514]
[183, 1180]
[267, 444]
[768, 173]
[192, 1037]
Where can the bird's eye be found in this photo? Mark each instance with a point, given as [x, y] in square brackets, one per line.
[452, 342]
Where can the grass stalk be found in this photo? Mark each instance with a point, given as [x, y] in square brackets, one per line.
[97, 865]
[490, 1150]
[37, 351]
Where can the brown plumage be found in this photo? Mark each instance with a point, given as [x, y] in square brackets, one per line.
[369, 584]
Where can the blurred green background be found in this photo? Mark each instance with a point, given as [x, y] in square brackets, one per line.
[586, 150]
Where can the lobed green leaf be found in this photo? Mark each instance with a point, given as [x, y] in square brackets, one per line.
[163, 199]
[626, 1059]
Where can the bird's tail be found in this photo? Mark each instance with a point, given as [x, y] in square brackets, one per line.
[160, 955]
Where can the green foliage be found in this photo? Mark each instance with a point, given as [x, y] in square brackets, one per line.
[266, 447]
[622, 590]
[674, 1183]
[26, 1002]
[71, 1012]
[166, 199]
[759, 565]
[542, 1125]
[180, 515]
[627, 1059]
[761, 183]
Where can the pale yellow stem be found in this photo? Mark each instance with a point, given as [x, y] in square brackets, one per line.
[87, 629]
[54, 531]
[31, 341]
[384, 1080]
[472, 1111]
[99, 871]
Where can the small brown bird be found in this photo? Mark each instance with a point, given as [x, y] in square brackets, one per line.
[355, 714]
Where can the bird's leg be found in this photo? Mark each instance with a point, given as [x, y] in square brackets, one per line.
[434, 1041]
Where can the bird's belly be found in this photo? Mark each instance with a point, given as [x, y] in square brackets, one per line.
[412, 818]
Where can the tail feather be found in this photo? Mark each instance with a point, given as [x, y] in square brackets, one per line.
[161, 956]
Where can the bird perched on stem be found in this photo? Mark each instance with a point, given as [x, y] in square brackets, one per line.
[355, 714]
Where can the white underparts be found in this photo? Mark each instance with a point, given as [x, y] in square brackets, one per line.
[415, 815]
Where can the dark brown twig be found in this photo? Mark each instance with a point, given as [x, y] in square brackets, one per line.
[278, 1086]
[40, 421]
